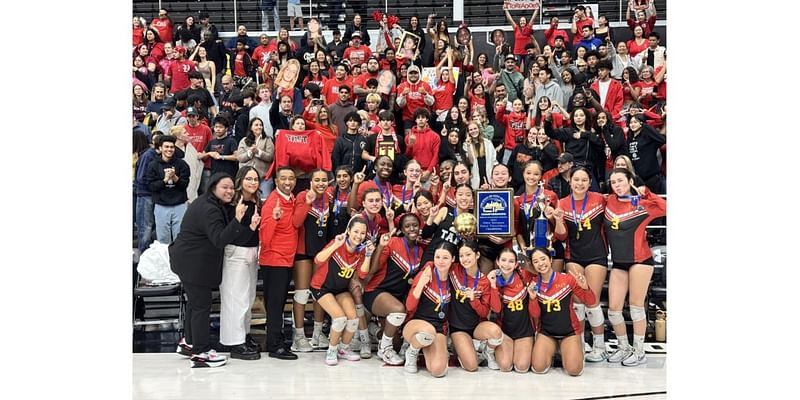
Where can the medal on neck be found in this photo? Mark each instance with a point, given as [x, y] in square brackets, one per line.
[441, 296]
[412, 262]
[578, 218]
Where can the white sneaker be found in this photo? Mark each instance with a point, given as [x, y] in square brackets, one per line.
[411, 361]
[635, 358]
[389, 356]
[300, 344]
[184, 349]
[355, 343]
[491, 363]
[347, 354]
[619, 355]
[373, 328]
[320, 341]
[403, 349]
[331, 356]
[366, 350]
[208, 359]
[597, 354]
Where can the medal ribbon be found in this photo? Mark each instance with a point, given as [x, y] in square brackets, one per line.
[579, 218]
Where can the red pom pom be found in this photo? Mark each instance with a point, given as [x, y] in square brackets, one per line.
[393, 19]
[377, 16]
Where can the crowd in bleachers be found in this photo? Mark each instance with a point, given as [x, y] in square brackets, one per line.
[343, 166]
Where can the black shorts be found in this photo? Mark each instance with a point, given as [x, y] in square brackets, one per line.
[369, 298]
[625, 266]
[438, 325]
[558, 246]
[468, 331]
[518, 330]
[302, 257]
[599, 261]
[317, 294]
[559, 336]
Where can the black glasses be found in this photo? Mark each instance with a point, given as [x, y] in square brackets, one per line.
[414, 72]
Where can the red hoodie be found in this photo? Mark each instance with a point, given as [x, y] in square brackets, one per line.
[425, 148]
[515, 126]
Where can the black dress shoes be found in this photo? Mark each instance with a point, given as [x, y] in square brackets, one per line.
[244, 352]
[283, 354]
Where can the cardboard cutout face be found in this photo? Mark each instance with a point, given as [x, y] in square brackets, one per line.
[287, 76]
[408, 44]
[385, 82]
[463, 35]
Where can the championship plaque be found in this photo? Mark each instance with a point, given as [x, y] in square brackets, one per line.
[494, 210]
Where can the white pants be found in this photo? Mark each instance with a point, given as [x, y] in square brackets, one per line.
[237, 293]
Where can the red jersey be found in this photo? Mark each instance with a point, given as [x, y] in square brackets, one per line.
[179, 71]
[443, 95]
[278, 238]
[312, 220]
[580, 24]
[164, 28]
[414, 99]
[634, 49]
[522, 37]
[515, 126]
[362, 52]
[376, 226]
[625, 226]
[304, 150]
[331, 90]
[512, 305]
[466, 314]
[334, 273]
[403, 196]
[526, 212]
[584, 237]
[399, 264]
[425, 148]
[199, 136]
[340, 212]
[435, 298]
[553, 312]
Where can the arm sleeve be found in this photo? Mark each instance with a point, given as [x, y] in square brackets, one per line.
[494, 300]
[655, 205]
[585, 295]
[481, 305]
[300, 209]
[155, 178]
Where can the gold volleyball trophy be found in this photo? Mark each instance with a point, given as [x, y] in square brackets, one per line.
[466, 225]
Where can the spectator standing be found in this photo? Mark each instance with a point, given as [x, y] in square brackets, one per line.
[269, 8]
[167, 179]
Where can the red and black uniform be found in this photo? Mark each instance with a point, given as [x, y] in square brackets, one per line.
[333, 276]
[443, 232]
[450, 197]
[585, 242]
[399, 263]
[375, 227]
[423, 241]
[625, 228]
[434, 300]
[527, 212]
[554, 315]
[339, 212]
[465, 314]
[403, 196]
[511, 304]
[386, 192]
[312, 235]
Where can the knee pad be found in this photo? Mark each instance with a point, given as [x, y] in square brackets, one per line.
[337, 324]
[352, 325]
[359, 310]
[395, 318]
[580, 311]
[495, 342]
[424, 338]
[595, 316]
[301, 296]
[615, 317]
[637, 313]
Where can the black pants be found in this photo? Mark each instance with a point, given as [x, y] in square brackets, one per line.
[654, 184]
[276, 288]
[198, 311]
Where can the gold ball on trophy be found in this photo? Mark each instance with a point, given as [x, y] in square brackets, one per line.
[465, 224]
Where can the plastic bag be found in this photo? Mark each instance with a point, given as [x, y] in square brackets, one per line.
[154, 265]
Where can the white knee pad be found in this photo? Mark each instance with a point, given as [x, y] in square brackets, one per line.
[615, 317]
[337, 324]
[352, 325]
[359, 310]
[580, 311]
[495, 342]
[595, 316]
[637, 313]
[301, 296]
[424, 338]
[395, 318]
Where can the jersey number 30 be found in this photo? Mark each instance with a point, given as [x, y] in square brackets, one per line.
[347, 273]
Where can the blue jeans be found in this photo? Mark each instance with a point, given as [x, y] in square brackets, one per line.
[168, 222]
[266, 187]
[145, 221]
[204, 177]
[265, 19]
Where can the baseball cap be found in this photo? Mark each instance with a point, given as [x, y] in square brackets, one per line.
[180, 49]
[356, 34]
[511, 57]
[191, 111]
[413, 68]
[565, 158]
[168, 103]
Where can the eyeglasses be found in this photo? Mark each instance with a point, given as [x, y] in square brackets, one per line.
[414, 73]
[581, 65]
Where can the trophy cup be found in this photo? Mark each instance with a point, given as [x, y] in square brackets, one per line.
[538, 233]
[466, 225]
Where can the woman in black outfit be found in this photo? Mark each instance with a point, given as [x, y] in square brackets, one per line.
[643, 144]
[613, 142]
[537, 146]
[580, 140]
[196, 257]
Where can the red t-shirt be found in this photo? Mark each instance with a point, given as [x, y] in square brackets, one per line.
[634, 49]
[580, 24]
[521, 38]
[362, 52]
[164, 28]
[179, 71]
[199, 136]
[238, 64]
[444, 96]
[331, 89]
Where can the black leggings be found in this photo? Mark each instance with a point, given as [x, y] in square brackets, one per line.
[196, 321]
[276, 288]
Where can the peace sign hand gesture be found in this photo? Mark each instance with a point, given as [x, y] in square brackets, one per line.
[580, 278]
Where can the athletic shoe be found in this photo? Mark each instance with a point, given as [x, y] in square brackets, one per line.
[184, 349]
[619, 355]
[300, 344]
[320, 341]
[355, 343]
[491, 363]
[244, 352]
[331, 356]
[252, 343]
[635, 358]
[366, 350]
[373, 329]
[403, 349]
[596, 355]
[389, 356]
[411, 361]
[208, 359]
[347, 354]
[282, 354]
